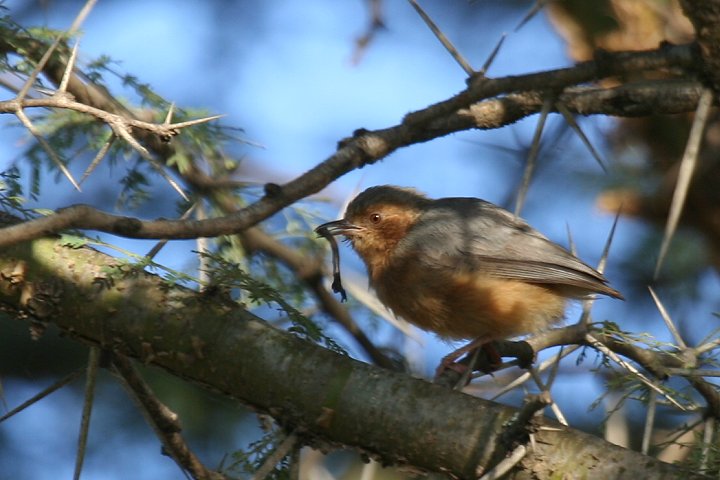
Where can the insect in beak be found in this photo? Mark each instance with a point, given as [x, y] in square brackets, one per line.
[328, 232]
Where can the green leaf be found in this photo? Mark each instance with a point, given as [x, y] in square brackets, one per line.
[73, 241]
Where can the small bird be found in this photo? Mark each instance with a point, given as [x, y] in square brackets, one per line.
[462, 267]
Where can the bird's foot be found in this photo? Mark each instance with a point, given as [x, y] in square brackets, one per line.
[449, 362]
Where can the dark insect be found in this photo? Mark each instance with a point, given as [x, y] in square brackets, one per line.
[337, 287]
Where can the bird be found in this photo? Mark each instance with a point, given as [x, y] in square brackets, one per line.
[462, 267]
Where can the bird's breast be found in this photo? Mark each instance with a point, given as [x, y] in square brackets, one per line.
[459, 304]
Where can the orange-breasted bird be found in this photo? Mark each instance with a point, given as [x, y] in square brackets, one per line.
[462, 267]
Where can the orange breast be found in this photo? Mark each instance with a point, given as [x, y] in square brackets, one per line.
[467, 305]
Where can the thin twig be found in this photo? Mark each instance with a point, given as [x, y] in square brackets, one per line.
[668, 321]
[493, 54]
[570, 119]
[706, 347]
[467, 374]
[693, 372]
[66, 102]
[44, 393]
[710, 394]
[499, 470]
[168, 117]
[649, 422]
[571, 242]
[537, 6]
[606, 248]
[159, 245]
[532, 156]
[555, 368]
[98, 158]
[68, 69]
[36, 71]
[674, 437]
[254, 239]
[203, 247]
[687, 168]
[77, 22]
[616, 429]
[164, 422]
[526, 375]
[516, 430]
[630, 368]
[81, 16]
[553, 405]
[443, 39]
[374, 26]
[123, 130]
[587, 304]
[47, 147]
[708, 433]
[90, 382]
[689, 408]
[282, 451]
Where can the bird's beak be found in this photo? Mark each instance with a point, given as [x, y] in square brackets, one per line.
[337, 227]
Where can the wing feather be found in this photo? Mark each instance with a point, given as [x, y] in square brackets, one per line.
[472, 234]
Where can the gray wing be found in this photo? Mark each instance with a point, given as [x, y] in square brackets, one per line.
[471, 234]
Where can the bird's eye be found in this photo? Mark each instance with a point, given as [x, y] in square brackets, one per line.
[375, 217]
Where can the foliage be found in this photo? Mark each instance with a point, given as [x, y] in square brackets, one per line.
[228, 276]
[258, 453]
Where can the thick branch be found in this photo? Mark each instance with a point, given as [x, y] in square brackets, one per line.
[605, 65]
[332, 398]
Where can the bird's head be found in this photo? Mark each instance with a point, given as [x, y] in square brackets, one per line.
[376, 220]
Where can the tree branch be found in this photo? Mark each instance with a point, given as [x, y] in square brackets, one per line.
[332, 399]
[365, 148]
[705, 17]
[162, 420]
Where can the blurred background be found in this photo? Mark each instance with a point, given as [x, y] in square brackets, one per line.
[295, 78]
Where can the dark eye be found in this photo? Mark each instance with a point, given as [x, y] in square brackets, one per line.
[375, 217]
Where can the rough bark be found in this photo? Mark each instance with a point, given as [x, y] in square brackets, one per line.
[325, 398]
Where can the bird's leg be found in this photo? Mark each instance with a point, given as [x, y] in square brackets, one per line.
[449, 361]
[493, 355]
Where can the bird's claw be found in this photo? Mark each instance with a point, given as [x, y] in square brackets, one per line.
[460, 368]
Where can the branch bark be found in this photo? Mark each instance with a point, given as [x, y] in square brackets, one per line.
[330, 399]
